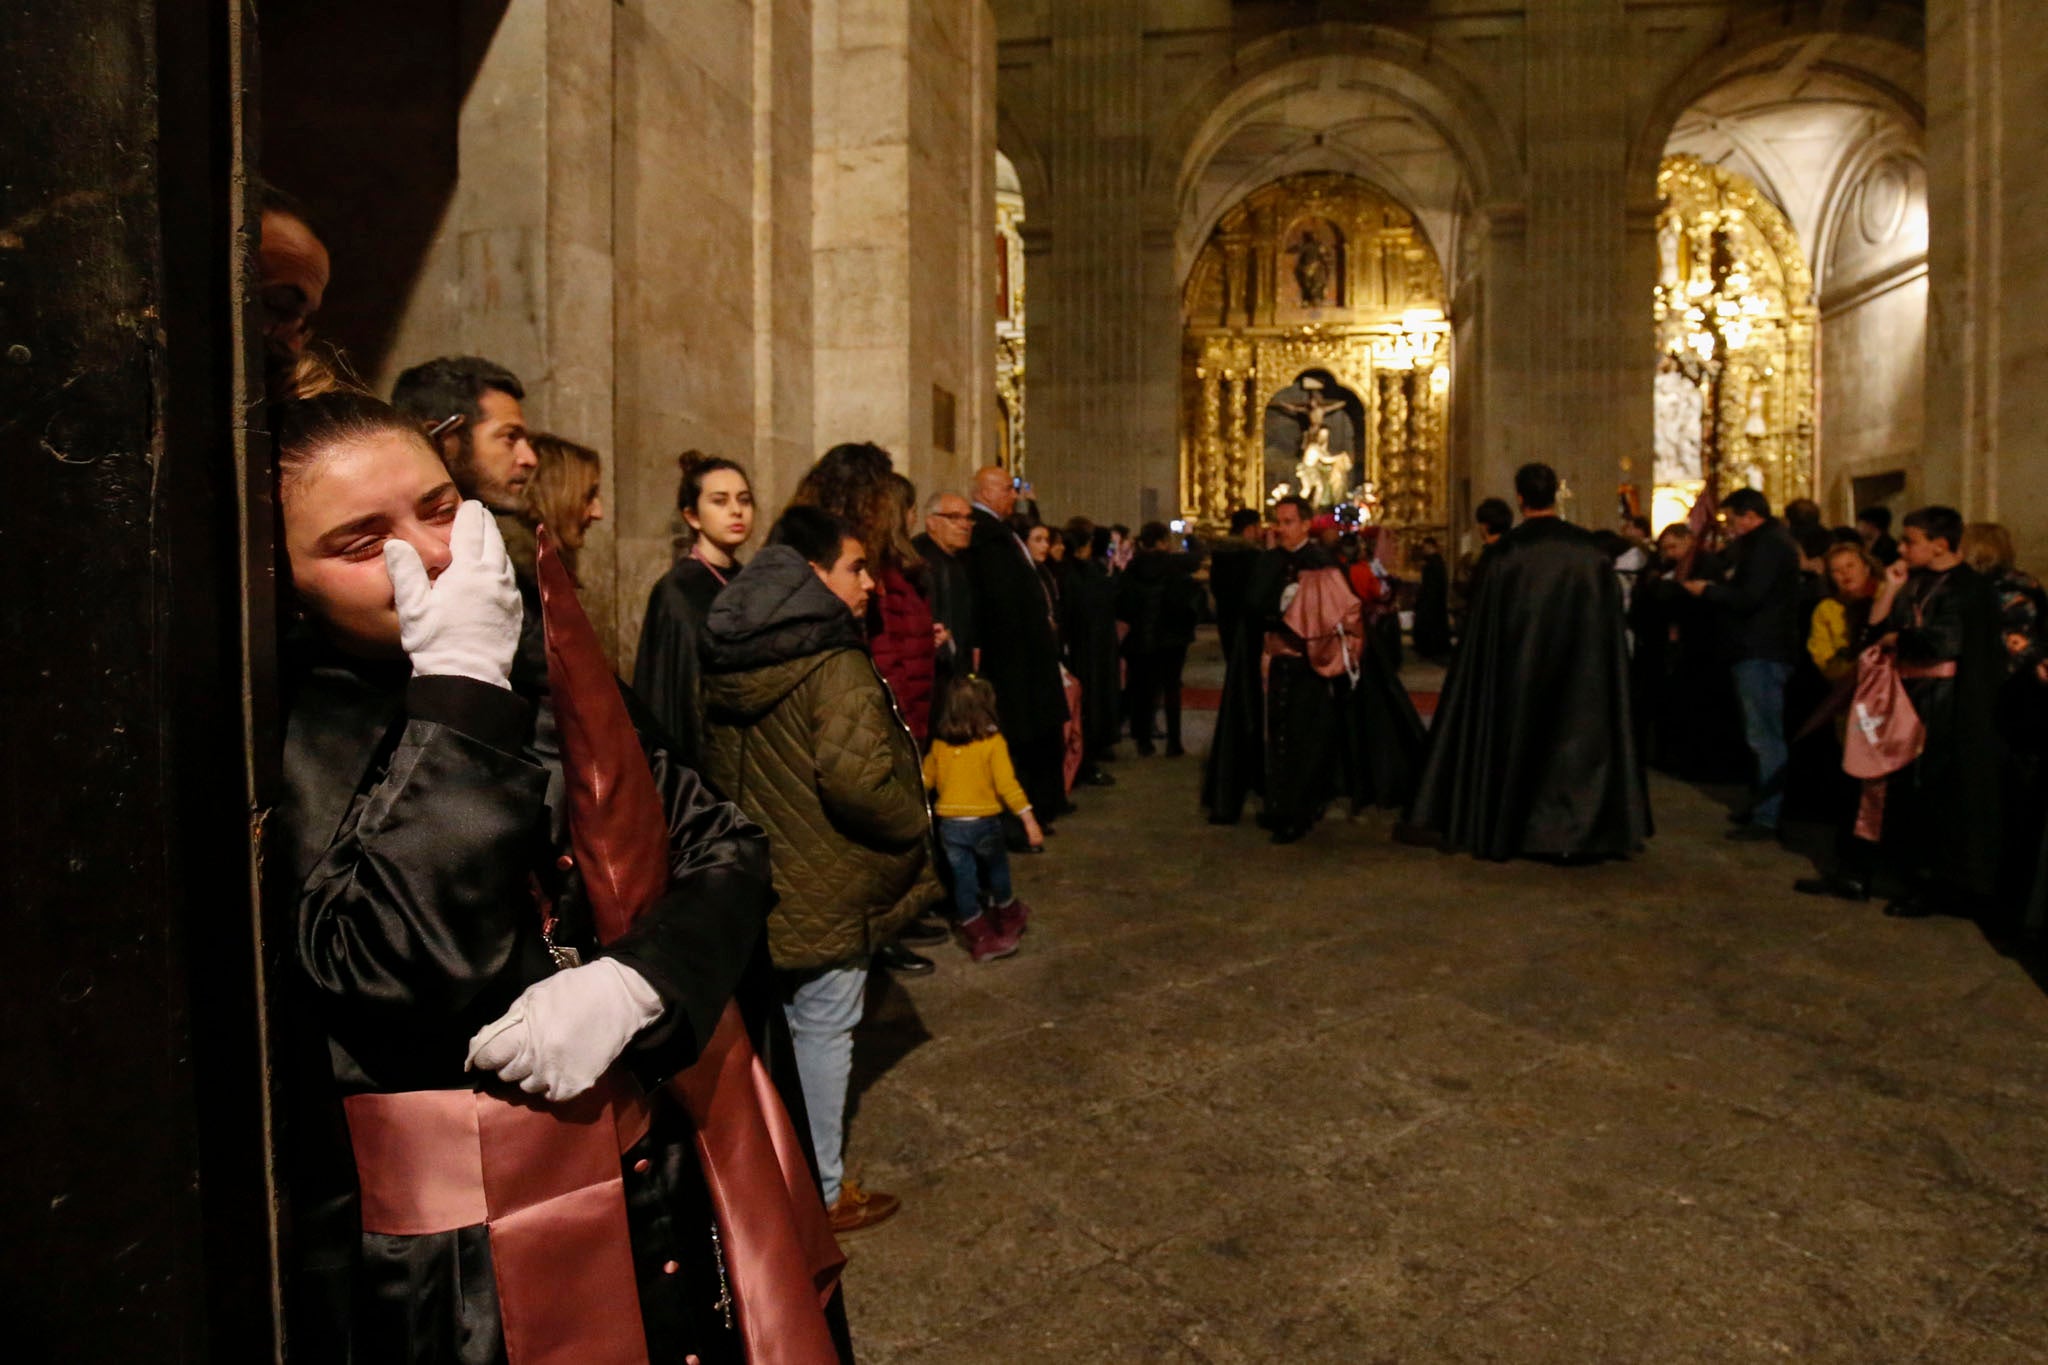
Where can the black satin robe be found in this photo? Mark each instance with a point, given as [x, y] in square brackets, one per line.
[1942, 822]
[666, 672]
[1298, 739]
[418, 817]
[1532, 751]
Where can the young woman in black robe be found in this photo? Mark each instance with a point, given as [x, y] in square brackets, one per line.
[717, 503]
[444, 947]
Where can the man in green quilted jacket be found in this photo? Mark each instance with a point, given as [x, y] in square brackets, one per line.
[801, 734]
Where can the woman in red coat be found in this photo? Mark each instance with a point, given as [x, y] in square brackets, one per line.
[857, 484]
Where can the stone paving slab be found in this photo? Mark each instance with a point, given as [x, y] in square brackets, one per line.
[1352, 1101]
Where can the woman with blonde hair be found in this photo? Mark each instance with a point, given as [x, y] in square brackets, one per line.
[563, 494]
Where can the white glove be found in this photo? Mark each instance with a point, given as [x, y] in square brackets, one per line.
[465, 622]
[563, 1033]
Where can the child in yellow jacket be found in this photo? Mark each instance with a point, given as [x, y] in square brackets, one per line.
[969, 771]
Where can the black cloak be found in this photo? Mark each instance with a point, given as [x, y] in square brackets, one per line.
[1088, 599]
[1942, 820]
[1298, 739]
[1020, 656]
[1433, 610]
[1532, 750]
[419, 818]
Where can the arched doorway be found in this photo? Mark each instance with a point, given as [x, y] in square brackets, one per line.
[1316, 351]
[1735, 314]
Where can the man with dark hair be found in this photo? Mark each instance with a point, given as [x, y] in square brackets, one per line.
[1230, 569]
[470, 409]
[799, 726]
[1536, 488]
[1532, 752]
[1874, 524]
[1159, 599]
[1941, 819]
[1432, 603]
[1759, 605]
[1310, 711]
[1494, 519]
[292, 270]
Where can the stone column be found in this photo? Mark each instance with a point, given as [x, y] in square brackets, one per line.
[1103, 382]
[521, 270]
[1586, 323]
[1987, 385]
[904, 217]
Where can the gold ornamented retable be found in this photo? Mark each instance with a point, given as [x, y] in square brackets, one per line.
[1316, 272]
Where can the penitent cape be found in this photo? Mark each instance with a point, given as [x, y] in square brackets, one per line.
[1531, 752]
[1297, 738]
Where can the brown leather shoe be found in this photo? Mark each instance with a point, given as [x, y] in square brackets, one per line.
[858, 1210]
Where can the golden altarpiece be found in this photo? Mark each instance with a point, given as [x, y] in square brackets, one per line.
[1735, 331]
[1317, 294]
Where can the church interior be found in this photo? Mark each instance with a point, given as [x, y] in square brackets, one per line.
[1160, 260]
[1529, 234]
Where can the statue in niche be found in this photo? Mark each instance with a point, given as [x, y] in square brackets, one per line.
[1319, 469]
[1323, 475]
[1314, 411]
[1754, 424]
[1668, 273]
[1315, 265]
[1680, 408]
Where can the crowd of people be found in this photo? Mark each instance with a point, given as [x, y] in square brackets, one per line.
[852, 728]
[529, 1031]
[1893, 689]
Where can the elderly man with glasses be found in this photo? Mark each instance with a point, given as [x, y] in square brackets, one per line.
[949, 526]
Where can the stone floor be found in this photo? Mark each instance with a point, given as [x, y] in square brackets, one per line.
[1352, 1101]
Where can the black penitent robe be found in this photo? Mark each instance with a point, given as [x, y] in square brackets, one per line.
[1531, 752]
[1298, 739]
[666, 673]
[1682, 698]
[418, 819]
[1088, 599]
[1942, 820]
[1020, 656]
[1433, 610]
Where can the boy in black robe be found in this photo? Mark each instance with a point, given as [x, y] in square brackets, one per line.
[1285, 731]
[1532, 752]
[1941, 814]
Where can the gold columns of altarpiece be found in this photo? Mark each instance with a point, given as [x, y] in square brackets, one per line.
[1370, 312]
[1735, 309]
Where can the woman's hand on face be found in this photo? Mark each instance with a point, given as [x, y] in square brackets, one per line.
[464, 623]
[1895, 574]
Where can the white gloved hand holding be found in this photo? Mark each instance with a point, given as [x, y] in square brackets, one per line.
[466, 622]
[563, 1033]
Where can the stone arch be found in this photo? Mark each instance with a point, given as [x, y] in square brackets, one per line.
[1881, 48]
[1425, 80]
[1013, 142]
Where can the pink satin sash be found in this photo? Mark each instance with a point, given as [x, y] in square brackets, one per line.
[544, 1178]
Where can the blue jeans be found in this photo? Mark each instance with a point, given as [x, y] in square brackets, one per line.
[822, 1007]
[976, 853]
[1760, 685]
